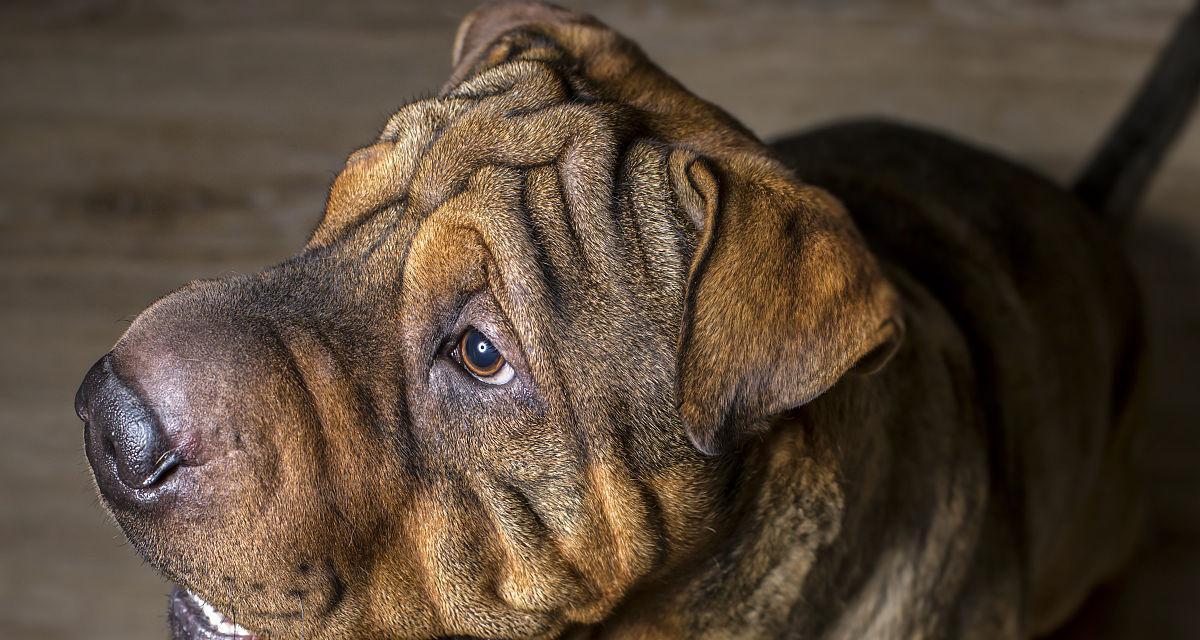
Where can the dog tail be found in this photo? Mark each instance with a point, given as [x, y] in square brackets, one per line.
[1118, 174]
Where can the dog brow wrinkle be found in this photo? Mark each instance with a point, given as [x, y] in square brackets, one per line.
[398, 207]
[539, 242]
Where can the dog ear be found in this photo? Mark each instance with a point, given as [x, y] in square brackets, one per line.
[783, 298]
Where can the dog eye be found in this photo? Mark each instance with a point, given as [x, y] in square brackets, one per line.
[482, 359]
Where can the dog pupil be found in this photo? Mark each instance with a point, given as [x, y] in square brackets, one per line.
[483, 354]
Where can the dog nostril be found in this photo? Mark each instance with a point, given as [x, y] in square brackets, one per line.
[166, 464]
[157, 472]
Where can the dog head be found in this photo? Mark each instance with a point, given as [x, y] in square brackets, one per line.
[502, 384]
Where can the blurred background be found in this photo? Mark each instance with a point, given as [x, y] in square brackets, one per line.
[143, 144]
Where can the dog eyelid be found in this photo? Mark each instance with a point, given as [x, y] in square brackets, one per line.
[500, 378]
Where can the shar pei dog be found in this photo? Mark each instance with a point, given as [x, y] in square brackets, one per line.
[573, 354]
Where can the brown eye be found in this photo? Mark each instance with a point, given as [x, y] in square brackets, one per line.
[479, 356]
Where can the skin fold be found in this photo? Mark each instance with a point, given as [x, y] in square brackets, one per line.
[865, 383]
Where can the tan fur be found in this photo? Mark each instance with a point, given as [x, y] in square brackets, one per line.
[743, 408]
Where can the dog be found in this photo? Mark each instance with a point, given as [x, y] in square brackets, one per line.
[573, 354]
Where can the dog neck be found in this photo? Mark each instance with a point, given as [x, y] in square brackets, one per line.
[787, 504]
[810, 547]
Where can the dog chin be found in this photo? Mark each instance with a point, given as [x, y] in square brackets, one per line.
[192, 618]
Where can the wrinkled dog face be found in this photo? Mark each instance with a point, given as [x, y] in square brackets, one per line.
[478, 402]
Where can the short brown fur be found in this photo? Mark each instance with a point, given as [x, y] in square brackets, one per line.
[898, 404]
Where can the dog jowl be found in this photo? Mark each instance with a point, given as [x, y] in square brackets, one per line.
[573, 354]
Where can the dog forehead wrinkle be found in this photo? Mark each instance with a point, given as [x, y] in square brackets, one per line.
[454, 140]
[526, 97]
[480, 140]
[657, 233]
[531, 85]
[380, 174]
[396, 211]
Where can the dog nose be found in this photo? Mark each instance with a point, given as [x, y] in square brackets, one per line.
[181, 416]
[125, 443]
